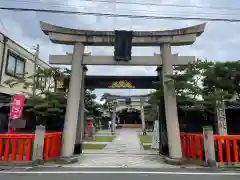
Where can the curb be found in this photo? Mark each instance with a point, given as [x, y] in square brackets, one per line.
[172, 161]
[67, 160]
[23, 163]
[184, 163]
[56, 161]
[17, 163]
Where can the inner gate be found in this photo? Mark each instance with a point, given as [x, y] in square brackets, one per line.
[120, 82]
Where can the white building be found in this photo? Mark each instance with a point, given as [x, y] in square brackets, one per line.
[15, 62]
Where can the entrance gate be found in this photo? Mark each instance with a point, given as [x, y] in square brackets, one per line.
[123, 42]
[137, 102]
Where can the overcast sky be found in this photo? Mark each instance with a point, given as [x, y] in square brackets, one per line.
[219, 42]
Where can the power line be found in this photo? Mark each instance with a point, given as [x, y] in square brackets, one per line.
[144, 3]
[168, 5]
[119, 15]
[86, 8]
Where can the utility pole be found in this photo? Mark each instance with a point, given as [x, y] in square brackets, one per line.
[35, 70]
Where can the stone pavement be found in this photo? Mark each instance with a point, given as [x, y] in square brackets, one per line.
[94, 142]
[124, 151]
[126, 141]
[121, 160]
[104, 132]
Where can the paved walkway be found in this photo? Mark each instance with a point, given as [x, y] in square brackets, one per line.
[124, 151]
[126, 142]
[94, 142]
[121, 160]
[104, 132]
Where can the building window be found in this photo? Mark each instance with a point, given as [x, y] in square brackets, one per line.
[15, 65]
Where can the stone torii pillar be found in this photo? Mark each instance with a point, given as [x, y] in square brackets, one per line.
[74, 97]
[114, 120]
[143, 118]
[113, 115]
[163, 139]
[142, 113]
[81, 118]
[174, 141]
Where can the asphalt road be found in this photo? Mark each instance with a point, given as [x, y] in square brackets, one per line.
[117, 174]
[114, 177]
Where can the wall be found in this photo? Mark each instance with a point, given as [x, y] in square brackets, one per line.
[29, 65]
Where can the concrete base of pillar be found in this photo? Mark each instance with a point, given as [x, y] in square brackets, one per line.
[165, 150]
[67, 160]
[210, 163]
[78, 149]
[38, 162]
[174, 161]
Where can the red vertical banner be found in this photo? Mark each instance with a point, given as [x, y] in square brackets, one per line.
[16, 109]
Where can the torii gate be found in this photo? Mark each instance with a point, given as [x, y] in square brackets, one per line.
[138, 102]
[81, 38]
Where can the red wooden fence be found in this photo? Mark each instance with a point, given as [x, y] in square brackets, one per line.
[192, 146]
[19, 147]
[227, 147]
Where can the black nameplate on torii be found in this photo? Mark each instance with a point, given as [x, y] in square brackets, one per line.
[137, 82]
[123, 45]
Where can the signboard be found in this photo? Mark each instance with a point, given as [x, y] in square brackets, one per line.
[16, 109]
[121, 84]
[221, 118]
[91, 81]
[123, 45]
[155, 137]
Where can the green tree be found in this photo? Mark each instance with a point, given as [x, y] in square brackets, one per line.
[201, 84]
[187, 80]
[221, 81]
[46, 102]
[90, 103]
[45, 81]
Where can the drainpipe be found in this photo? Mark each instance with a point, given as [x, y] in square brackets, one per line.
[5, 39]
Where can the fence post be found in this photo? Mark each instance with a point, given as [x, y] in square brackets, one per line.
[38, 146]
[209, 147]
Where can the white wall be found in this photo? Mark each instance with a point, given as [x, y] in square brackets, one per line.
[29, 65]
